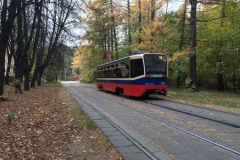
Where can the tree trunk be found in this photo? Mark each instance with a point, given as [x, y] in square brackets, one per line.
[36, 52]
[182, 27]
[193, 43]
[28, 58]
[129, 29]
[10, 56]
[220, 82]
[181, 40]
[166, 13]
[60, 17]
[39, 81]
[220, 56]
[115, 42]
[6, 29]
[152, 22]
[139, 22]
[19, 61]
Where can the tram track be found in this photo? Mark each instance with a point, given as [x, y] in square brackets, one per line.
[200, 116]
[152, 118]
[202, 138]
[130, 138]
[219, 145]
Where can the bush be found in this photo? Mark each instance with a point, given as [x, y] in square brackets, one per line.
[50, 74]
[4, 97]
[189, 86]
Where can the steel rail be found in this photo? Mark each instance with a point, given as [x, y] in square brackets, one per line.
[177, 110]
[173, 126]
[136, 143]
[195, 135]
[183, 130]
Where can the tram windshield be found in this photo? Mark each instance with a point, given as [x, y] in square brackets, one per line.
[155, 64]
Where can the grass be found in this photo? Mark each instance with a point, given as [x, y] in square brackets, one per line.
[51, 84]
[209, 98]
[78, 117]
[89, 123]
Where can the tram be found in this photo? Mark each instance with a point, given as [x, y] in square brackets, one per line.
[138, 75]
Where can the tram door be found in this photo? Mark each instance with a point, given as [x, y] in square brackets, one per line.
[136, 68]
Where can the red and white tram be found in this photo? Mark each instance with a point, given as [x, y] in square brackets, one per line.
[137, 75]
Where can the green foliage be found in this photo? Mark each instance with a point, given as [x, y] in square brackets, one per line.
[188, 82]
[17, 81]
[4, 97]
[50, 73]
[73, 77]
[218, 41]
[51, 84]
[189, 86]
[10, 117]
[225, 100]
[90, 123]
[78, 116]
[88, 76]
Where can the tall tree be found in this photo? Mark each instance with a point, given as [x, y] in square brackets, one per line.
[182, 39]
[193, 44]
[10, 53]
[152, 24]
[129, 28]
[139, 21]
[220, 56]
[60, 13]
[30, 24]
[19, 57]
[8, 14]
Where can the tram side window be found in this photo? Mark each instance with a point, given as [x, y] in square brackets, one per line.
[136, 67]
[112, 73]
[117, 72]
[100, 74]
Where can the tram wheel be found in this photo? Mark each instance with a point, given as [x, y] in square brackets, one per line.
[120, 91]
[146, 95]
[100, 87]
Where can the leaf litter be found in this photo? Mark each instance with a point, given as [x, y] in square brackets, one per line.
[44, 125]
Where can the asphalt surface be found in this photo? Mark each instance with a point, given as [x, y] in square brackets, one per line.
[140, 130]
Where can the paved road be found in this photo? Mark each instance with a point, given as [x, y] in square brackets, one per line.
[141, 130]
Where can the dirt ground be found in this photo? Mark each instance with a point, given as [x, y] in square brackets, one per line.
[47, 123]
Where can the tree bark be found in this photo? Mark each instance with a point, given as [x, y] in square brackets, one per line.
[59, 20]
[139, 22]
[220, 56]
[8, 15]
[129, 29]
[19, 61]
[152, 23]
[10, 56]
[193, 43]
[30, 58]
[181, 40]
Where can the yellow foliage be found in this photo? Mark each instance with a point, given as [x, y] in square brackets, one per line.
[79, 55]
[177, 55]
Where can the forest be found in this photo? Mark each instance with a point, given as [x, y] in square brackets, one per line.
[200, 38]
[33, 36]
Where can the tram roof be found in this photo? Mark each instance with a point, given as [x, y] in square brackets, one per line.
[124, 59]
[114, 62]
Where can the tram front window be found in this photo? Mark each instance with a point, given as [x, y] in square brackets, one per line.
[136, 67]
[156, 65]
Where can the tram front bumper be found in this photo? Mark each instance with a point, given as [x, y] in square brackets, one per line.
[159, 91]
